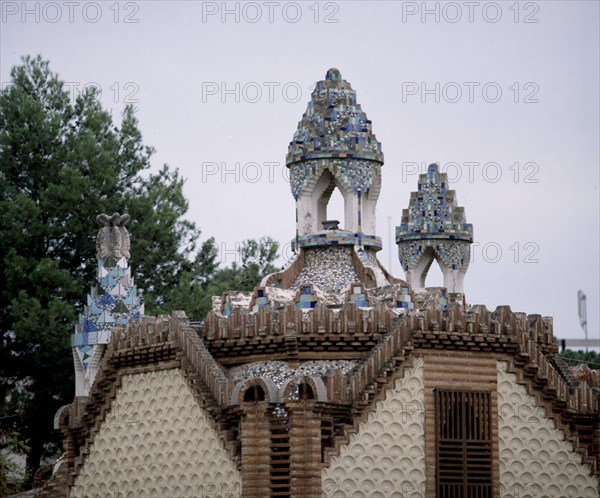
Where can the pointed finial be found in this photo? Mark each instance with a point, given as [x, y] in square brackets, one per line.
[333, 74]
[113, 237]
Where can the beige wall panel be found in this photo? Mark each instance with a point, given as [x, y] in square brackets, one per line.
[535, 458]
[156, 441]
[386, 457]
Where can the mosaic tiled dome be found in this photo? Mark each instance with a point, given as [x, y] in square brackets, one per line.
[433, 211]
[434, 227]
[334, 125]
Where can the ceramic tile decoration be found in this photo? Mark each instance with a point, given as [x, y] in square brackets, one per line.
[112, 301]
[332, 377]
[334, 147]
[434, 228]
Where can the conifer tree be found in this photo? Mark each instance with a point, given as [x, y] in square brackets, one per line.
[62, 163]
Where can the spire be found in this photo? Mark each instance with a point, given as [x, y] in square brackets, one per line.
[112, 301]
[334, 147]
[334, 125]
[434, 227]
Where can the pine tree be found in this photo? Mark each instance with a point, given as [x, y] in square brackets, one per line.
[61, 164]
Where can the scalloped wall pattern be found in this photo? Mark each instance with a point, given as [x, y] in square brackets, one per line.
[535, 459]
[156, 441]
[386, 457]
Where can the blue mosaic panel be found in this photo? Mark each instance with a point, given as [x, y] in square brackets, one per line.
[404, 299]
[358, 296]
[306, 298]
[112, 301]
[259, 299]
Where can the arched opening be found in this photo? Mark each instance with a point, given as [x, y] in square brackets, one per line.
[427, 272]
[330, 202]
[254, 393]
[305, 392]
[335, 207]
[434, 276]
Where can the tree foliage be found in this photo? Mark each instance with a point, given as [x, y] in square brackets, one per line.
[194, 295]
[62, 162]
[574, 358]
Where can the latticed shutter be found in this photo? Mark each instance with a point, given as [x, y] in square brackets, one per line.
[464, 444]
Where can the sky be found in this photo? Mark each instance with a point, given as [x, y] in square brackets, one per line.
[503, 95]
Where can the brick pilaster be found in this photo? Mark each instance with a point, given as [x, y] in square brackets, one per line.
[468, 371]
[255, 436]
[305, 450]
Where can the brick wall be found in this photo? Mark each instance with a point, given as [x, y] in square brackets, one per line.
[457, 370]
[255, 435]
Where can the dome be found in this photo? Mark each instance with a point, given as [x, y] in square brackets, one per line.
[334, 125]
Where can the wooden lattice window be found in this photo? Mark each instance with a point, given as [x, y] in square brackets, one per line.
[464, 444]
[280, 454]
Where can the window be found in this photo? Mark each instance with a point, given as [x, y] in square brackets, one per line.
[464, 444]
[254, 393]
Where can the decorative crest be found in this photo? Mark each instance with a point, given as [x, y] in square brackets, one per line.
[113, 237]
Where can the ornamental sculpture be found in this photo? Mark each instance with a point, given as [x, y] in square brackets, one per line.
[113, 237]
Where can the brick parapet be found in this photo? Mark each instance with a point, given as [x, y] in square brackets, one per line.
[215, 376]
[322, 329]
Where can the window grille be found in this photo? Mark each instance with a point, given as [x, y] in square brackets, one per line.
[464, 444]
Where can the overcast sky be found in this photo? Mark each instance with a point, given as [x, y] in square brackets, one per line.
[503, 95]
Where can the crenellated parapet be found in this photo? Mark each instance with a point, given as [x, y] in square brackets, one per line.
[266, 322]
[528, 339]
[319, 331]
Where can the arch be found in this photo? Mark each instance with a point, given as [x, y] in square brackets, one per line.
[419, 268]
[312, 203]
[255, 389]
[313, 386]
[321, 196]
[254, 393]
[60, 417]
[417, 272]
